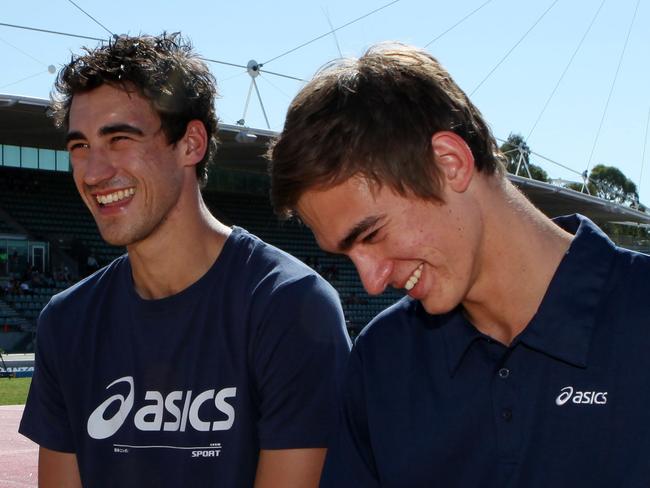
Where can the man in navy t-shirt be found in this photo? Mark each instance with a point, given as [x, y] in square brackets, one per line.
[519, 356]
[202, 357]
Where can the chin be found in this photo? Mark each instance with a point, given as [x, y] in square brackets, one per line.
[437, 307]
[116, 240]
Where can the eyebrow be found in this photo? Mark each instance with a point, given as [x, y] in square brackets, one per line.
[106, 130]
[357, 230]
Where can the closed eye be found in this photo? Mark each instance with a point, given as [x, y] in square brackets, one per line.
[369, 238]
[77, 145]
[119, 138]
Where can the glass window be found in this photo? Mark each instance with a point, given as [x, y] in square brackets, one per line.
[17, 251]
[46, 159]
[11, 156]
[29, 157]
[62, 161]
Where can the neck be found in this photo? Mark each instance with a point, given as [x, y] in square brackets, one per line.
[520, 253]
[180, 252]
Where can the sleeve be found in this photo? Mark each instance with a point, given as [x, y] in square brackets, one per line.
[45, 418]
[299, 357]
[350, 461]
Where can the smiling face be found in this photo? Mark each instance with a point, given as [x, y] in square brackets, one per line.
[126, 172]
[432, 250]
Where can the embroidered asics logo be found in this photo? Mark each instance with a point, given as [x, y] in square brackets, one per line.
[171, 412]
[568, 393]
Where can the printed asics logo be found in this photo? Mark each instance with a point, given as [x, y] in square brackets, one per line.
[581, 397]
[177, 408]
[101, 428]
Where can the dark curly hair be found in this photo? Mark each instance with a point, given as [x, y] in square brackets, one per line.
[164, 69]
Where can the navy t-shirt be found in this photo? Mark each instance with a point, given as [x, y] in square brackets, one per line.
[185, 390]
[429, 401]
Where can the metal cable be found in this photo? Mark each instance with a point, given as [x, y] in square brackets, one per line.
[21, 51]
[457, 23]
[330, 32]
[584, 36]
[611, 89]
[513, 48]
[23, 79]
[645, 143]
[92, 18]
[51, 32]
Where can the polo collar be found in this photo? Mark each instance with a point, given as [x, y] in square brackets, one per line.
[563, 325]
[458, 335]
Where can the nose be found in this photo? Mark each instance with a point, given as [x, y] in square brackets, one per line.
[373, 270]
[98, 167]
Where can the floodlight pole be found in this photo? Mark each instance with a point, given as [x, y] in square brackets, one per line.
[521, 159]
[5, 372]
[253, 69]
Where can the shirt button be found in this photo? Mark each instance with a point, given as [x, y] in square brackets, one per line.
[506, 414]
[504, 373]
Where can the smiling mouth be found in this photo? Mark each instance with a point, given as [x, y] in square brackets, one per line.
[414, 278]
[116, 196]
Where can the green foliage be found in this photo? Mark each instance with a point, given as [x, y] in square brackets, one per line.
[13, 391]
[574, 186]
[609, 183]
[537, 172]
[517, 153]
[617, 230]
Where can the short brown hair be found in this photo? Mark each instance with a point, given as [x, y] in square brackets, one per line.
[163, 69]
[375, 116]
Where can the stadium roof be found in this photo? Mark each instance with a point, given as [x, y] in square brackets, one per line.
[24, 122]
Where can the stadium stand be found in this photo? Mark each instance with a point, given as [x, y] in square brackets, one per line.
[45, 204]
[253, 212]
[39, 203]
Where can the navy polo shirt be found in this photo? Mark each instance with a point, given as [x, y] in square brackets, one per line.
[432, 402]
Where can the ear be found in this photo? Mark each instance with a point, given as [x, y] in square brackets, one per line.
[454, 158]
[194, 143]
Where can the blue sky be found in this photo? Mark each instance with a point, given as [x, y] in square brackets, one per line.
[509, 55]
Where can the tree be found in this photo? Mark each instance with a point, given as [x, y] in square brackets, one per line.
[517, 154]
[609, 183]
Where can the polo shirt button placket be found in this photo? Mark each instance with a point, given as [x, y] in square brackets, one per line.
[504, 373]
[506, 414]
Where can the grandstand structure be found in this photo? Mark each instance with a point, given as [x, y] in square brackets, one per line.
[47, 234]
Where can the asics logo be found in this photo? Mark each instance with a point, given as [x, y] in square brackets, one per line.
[101, 428]
[581, 397]
[172, 412]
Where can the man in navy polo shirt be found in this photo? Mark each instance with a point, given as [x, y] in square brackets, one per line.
[520, 355]
[203, 356]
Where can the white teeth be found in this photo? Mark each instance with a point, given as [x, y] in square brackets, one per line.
[414, 278]
[115, 196]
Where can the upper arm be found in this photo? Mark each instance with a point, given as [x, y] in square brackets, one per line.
[299, 357]
[350, 459]
[289, 468]
[46, 418]
[57, 469]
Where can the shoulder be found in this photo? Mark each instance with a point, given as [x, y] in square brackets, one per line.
[633, 260]
[630, 272]
[88, 291]
[270, 270]
[593, 258]
[396, 327]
